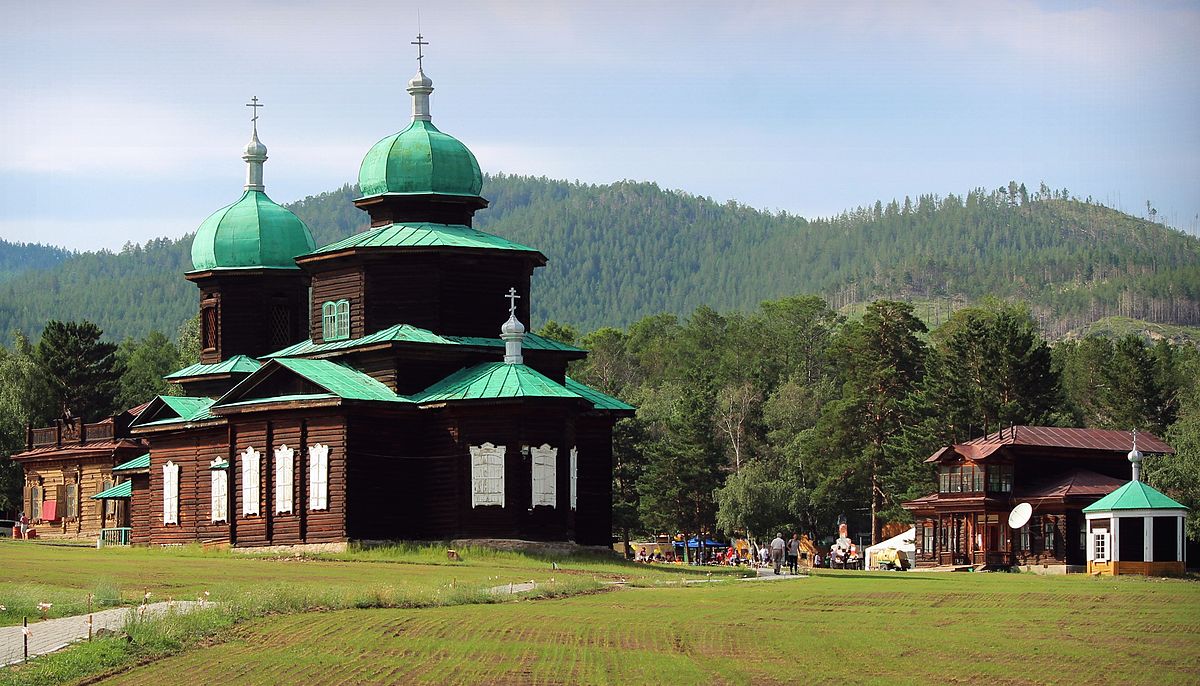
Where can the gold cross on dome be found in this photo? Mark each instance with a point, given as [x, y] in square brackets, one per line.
[512, 301]
[420, 55]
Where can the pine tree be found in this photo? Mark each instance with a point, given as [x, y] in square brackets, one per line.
[83, 369]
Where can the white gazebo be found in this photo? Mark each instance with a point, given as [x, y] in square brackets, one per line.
[1135, 530]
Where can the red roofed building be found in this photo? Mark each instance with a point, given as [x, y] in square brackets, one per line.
[1058, 471]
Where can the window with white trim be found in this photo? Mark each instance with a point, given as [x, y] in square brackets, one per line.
[220, 490]
[170, 493]
[544, 474]
[335, 320]
[318, 477]
[285, 461]
[487, 475]
[251, 481]
[1100, 546]
[574, 477]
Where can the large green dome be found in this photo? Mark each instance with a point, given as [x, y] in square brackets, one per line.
[252, 232]
[420, 160]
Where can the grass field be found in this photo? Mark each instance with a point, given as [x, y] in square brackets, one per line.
[911, 628]
[407, 615]
[394, 576]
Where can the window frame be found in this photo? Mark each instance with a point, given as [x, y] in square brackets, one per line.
[574, 488]
[218, 492]
[543, 474]
[318, 477]
[487, 475]
[170, 493]
[251, 482]
[285, 482]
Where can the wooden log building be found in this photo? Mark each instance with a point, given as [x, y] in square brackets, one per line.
[1058, 471]
[66, 465]
[366, 390]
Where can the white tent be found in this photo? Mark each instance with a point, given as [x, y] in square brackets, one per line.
[905, 541]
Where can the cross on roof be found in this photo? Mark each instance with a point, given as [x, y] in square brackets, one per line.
[512, 301]
[254, 103]
[420, 55]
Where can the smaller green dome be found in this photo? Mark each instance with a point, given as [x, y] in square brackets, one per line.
[418, 160]
[252, 232]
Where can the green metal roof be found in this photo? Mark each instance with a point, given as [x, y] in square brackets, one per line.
[340, 380]
[186, 407]
[139, 462]
[234, 365]
[424, 235]
[399, 332]
[403, 333]
[601, 401]
[121, 490]
[420, 160]
[532, 342]
[1135, 495]
[223, 464]
[280, 399]
[252, 232]
[493, 380]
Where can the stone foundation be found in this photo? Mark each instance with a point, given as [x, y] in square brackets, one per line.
[336, 547]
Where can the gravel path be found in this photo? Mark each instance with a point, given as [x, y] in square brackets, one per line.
[56, 634]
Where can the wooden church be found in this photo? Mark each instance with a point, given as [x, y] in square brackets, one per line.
[372, 389]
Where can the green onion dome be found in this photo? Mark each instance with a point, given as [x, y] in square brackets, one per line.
[252, 232]
[418, 160]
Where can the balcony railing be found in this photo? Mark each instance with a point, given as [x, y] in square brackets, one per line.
[114, 536]
[69, 433]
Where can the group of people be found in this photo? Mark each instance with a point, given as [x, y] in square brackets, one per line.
[780, 553]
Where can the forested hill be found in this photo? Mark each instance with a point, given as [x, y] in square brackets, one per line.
[624, 250]
[16, 258]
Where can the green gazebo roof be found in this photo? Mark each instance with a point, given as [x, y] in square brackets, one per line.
[494, 380]
[420, 160]
[234, 365]
[252, 232]
[1134, 495]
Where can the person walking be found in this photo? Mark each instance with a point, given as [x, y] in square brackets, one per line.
[777, 547]
[793, 554]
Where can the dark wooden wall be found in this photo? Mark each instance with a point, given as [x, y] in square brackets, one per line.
[453, 293]
[593, 519]
[245, 300]
[343, 282]
[193, 451]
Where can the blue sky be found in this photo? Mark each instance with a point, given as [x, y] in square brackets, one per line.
[124, 121]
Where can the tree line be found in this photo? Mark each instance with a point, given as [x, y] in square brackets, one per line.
[792, 415]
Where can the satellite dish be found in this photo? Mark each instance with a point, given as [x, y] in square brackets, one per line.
[1020, 515]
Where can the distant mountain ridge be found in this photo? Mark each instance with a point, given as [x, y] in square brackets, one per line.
[624, 250]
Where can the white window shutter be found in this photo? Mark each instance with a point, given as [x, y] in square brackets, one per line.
[285, 459]
[544, 475]
[170, 493]
[574, 477]
[318, 477]
[251, 470]
[487, 475]
[220, 491]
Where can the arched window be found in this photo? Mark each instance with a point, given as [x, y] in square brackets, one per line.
[335, 320]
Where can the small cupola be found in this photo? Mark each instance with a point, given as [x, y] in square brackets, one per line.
[420, 173]
[512, 332]
[254, 231]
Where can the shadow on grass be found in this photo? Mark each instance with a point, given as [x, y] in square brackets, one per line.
[906, 576]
